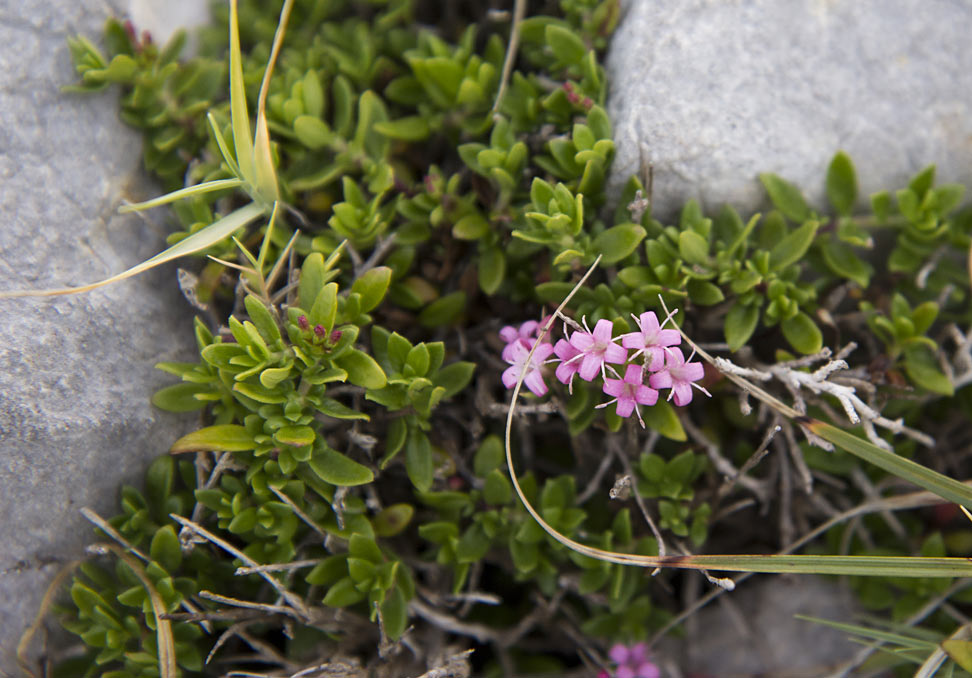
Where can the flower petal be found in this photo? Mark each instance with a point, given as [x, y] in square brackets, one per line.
[510, 376]
[645, 395]
[633, 340]
[534, 382]
[692, 371]
[618, 653]
[683, 393]
[660, 380]
[603, 331]
[625, 407]
[668, 338]
[581, 341]
[613, 387]
[565, 350]
[615, 354]
[509, 334]
[590, 366]
[633, 375]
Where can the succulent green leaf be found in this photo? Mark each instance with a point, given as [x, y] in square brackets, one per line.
[693, 248]
[372, 286]
[362, 369]
[565, 44]
[786, 197]
[296, 436]
[391, 520]
[313, 132]
[662, 417]
[411, 128]
[394, 614]
[180, 397]
[793, 246]
[471, 227]
[165, 549]
[704, 293]
[333, 467]
[842, 184]
[740, 324]
[343, 593]
[618, 242]
[842, 260]
[802, 333]
[454, 377]
[221, 438]
[444, 310]
[418, 461]
[492, 269]
[922, 368]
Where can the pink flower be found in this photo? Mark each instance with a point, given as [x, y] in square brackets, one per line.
[651, 340]
[633, 661]
[596, 348]
[518, 360]
[568, 367]
[526, 335]
[679, 376]
[629, 393]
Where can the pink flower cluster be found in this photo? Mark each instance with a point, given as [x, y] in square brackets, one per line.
[632, 662]
[589, 354]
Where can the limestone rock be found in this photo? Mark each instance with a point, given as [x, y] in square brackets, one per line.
[76, 372]
[712, 93]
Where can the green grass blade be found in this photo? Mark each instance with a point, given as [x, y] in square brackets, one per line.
[240, 118]
[943, 486]
[874, 634]
[882, 566]
[217, 185]
[208, 236]
[223, 146]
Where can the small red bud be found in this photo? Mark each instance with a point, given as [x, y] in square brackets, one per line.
[335, 336]
[320, 331]
[302, 322]
[587, 102]
[456, 483]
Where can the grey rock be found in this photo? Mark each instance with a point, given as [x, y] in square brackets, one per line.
[713, 92]
[76, 372]
[753, 631]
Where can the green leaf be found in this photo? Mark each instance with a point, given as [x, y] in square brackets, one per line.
[188, 192]
[313, 132]
[922, 182]
[842, 184]
[394, 614]
[923, 370]
[165, 549]
[492, 269]
[180, 397]
[497, 489]
[362, 369]
[324, 310]
[444, 310]
[296, 436]
[471, 227]
[786, 197]
[704, 293]
[343, 593]
[693, 248]
[791, 248]
[740, 324]
[335, 408]
[842, 260]
[454, 377]
[802, 333]
[418, 461]
[412, 128]
[489, 456]
[372, 286]
[881, 204]
[221, 438]
[565, 44]
[661, 417]
[391, 520]
[333, 467]
[473, 545]
[618, 242]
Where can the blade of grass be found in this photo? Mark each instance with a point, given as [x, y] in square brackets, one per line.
[943, 486]
[223, 146]
[265, 175]
[198, 189]
[208, 236]
[873, 634]
[239, 116]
